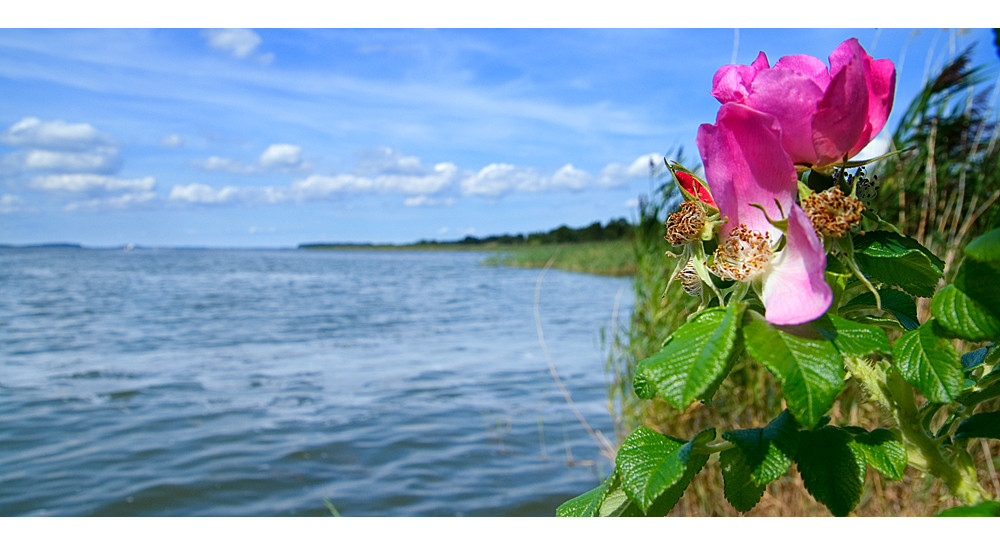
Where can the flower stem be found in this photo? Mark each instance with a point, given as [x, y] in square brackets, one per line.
[891, 392]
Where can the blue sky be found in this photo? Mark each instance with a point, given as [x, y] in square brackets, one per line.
[274, 137]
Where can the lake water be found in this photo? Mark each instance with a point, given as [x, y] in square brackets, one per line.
[259, 383]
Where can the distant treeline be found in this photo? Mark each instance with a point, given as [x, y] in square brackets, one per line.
[614, 230]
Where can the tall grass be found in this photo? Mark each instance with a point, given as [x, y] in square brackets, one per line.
[942, 190]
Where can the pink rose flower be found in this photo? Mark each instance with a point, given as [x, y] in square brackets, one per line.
[745, 165]
[827, 115]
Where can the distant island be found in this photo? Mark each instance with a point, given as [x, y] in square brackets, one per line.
[614, 230]
[44, 245]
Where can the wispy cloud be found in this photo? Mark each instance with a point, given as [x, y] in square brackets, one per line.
[276, 158]
[238, 42]
[32, 132]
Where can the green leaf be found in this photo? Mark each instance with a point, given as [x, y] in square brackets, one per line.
[587, 504]
[978, 281]
[983, 509]
[760, 456]
[884, 452]
[985, 248]
[900, 304]
[655, 469]
[810, 369]
[929, 363]
[695, 360]
[980, 425]
[853, 338]
[974, 359]
[832, 468]
[898, 260]
[964, 317]
[739, 487]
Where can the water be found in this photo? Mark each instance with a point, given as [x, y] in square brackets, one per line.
[258, 383]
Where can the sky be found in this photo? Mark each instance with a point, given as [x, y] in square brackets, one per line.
[273, 137]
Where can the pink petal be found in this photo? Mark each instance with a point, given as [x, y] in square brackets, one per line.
[807, 66]
[795, 290]
[745, 164]
[793, 98]
[841, 119]
[731, 83]
[876, 79]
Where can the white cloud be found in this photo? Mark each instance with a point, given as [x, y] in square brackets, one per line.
[201, 193]
[617, 175]
[432, 181]
[388, 161]
[99, 160]
[497, 179]
[172, 141]
[501, 178]
[425, 201]
[10, 203]
[123, 201]
[281, 156]
[276, 158]
[32, 132]
[216, 163]
[238, 42]
[90, 183]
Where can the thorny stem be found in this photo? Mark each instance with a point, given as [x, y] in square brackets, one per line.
[954, 467]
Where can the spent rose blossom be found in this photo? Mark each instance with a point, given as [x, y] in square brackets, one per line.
[827, 115]
[746, 168]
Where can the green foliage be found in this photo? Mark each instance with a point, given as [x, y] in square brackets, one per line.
[760, 456]
[876, 338]
[898, 260]
[983, 509]
[832, 467]
[808, 365]
[929, 363]
[980, 425]
[694, 360]
[655, 468]
[884, 451]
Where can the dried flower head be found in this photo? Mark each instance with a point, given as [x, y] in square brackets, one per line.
[832, 213]
[743, 255]
[689, 279]
[685, 226]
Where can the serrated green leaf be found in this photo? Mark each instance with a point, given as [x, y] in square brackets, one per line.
[980, 425]
[978, 281]
[695, 360]
[900, 304]
[884, 451]
[764, 460]
[898, 260]
[853, 338]
[738, 486]
[929, 363]
[832, 468]
[983, 509]
[964, 317]
[985, 248]
[810, 369]
[655, 469]
[587, 504]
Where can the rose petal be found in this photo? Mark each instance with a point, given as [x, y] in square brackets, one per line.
[795, 289]
[745, 164]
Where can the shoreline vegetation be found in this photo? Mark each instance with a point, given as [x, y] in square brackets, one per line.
[595, 249]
